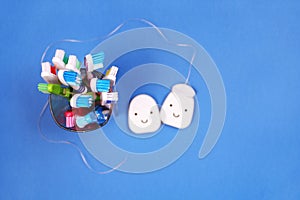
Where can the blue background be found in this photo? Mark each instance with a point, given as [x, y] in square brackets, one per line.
[255, 44]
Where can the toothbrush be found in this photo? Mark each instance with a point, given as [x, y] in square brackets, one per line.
[99, 85]
[69, 78]
[109, 97]
[43, 87]
[73, 64]
[81, 101]
[73, 79]
[49, 73]
[99, 116]
[94, 61]
[60, 59]
[70, 119]
[54, 89]
[111, 74]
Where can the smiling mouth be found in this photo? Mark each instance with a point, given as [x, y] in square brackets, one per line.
[175, 115]
[144, 122]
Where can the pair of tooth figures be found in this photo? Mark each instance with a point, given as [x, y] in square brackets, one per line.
[177, 110]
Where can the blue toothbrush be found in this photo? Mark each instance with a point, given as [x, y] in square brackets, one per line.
[81, 101]
[100, 85]
[69, 78]
[94, 61]
[103, 85]
[98, 116]
[72, 78]
[98, 57]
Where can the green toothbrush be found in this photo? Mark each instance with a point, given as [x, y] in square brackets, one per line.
[54, 89]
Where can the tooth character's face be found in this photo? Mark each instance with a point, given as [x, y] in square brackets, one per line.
[178, 108]
[143, 115]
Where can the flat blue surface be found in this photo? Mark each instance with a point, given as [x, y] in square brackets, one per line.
[255, 46]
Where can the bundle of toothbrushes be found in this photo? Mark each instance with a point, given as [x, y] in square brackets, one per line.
[81, 98]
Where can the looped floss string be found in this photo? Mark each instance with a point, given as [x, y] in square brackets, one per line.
[94, 39]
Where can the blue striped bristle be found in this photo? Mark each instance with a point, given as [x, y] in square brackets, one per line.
[84, 101]
[72, 78]
[103, 85]
[98, 57]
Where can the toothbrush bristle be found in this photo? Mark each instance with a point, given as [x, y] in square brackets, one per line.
[103, 85]
[43, 87]
[80, 121]
[72, 78]
[98, 57]
[84, 101]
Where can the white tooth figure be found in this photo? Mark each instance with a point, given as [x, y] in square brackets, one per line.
[143, 115]
[178, 107]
